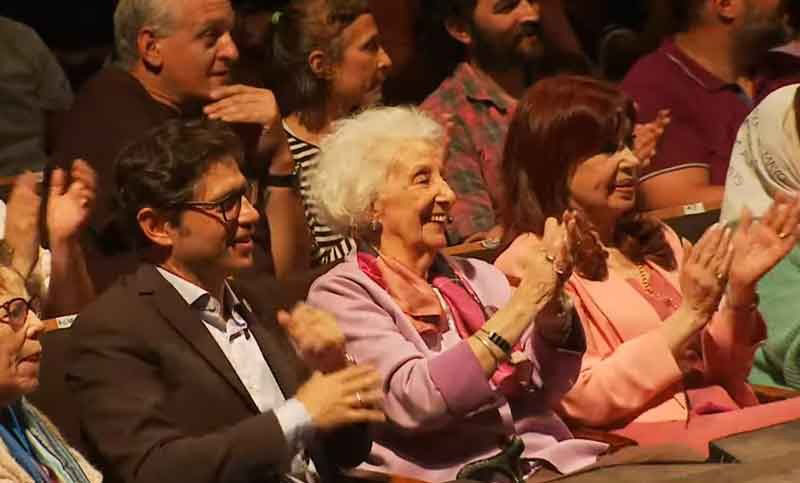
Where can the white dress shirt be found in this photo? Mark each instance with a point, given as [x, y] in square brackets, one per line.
[242, 351]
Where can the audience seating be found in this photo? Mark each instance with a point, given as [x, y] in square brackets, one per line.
[688, 221]
[768, 394]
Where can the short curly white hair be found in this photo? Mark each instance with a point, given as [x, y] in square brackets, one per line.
[355, 160]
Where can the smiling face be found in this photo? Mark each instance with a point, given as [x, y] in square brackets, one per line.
[204, 244]
[413, 205]
[604, 186]
[505, 33]
[20, 349]
[359, 74]
[198, 54]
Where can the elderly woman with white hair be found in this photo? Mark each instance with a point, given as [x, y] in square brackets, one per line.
[766, 163]
[471, 370]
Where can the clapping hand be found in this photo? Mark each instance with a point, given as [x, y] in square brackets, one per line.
[647, 136]
[70, 204]
[349, 396]
[316, 336]
[759, 245]
[704, 271]
[22, 223]
[550, 264]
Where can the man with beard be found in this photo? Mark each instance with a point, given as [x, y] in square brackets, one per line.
[706, 76]
[781, 66]
[501, 42]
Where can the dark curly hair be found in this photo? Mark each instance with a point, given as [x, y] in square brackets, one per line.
[161, 169]
[560, 122]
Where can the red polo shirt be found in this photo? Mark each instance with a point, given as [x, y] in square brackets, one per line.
[706, 111]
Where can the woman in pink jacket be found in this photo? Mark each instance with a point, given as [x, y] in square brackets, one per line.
[671, 329]
[467, 366]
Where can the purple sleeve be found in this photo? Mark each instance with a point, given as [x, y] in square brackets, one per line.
[420, 393]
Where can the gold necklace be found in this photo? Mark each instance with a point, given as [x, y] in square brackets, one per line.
[645, 279]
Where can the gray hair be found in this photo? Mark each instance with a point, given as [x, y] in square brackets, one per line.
[355, 160]
[131, 16]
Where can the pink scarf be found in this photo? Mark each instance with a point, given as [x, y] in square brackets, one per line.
[417, 299]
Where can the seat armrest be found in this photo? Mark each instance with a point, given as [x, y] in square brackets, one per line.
[768, 394]
[367, 476]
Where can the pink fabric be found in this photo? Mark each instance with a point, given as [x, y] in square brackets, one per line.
[667, 299]
[703, 429]
[435, 390]
[417, 298]
[413, 294]
[628, 372]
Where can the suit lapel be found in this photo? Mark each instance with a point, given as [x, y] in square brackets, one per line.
[177, 313]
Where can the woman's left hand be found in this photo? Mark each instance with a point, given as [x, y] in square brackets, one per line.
[759, 245]
[316, 336]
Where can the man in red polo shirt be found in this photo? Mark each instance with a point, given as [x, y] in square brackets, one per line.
[704, 76]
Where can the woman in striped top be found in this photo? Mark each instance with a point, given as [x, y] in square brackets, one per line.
[333, 64]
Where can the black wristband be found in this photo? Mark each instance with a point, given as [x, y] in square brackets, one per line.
[498, 340]
[282, 180]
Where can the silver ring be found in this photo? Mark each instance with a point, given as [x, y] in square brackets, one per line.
[360, 401]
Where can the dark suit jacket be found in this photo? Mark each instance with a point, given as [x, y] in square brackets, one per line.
[159, 401]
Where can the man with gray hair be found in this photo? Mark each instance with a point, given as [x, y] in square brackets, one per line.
[174, 59]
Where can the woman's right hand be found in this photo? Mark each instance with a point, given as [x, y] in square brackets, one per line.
[550, 264]
[704, 273]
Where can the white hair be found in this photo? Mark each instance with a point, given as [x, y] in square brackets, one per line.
[355, 160]
[131, 16]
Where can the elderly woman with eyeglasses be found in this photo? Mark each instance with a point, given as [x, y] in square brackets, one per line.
[31, 448]
[467, 365]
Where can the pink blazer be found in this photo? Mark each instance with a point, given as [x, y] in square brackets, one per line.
[628, 372]
[442, 410]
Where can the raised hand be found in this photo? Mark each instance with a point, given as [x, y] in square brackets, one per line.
[759, 245]
[349, 396]
[244, 104]
[647, 136]
[241, 104]
[22, 223]
[704, 271]
[69, 205]
[550, 263]
[316, 336]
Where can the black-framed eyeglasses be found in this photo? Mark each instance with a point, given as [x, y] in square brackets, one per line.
[230, 206]
[15, 311]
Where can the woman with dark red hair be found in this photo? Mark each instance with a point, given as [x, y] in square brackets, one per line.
[663, 342]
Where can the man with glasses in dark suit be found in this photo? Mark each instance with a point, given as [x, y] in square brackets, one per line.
[178, 376]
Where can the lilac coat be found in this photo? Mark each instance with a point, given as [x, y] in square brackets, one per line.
[442, 410]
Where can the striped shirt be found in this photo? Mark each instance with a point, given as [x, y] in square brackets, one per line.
[329, 246]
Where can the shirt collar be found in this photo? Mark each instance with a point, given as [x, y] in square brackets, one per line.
[693, 70]
[478, 89]
[198, 297]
